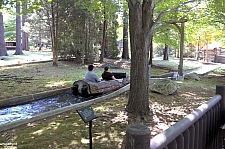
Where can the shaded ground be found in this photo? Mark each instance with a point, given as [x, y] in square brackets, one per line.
[69, 131]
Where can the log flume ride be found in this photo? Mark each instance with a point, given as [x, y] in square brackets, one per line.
[86, 88]
[16, 115]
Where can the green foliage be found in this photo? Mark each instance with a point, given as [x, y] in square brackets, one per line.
[10, 29]
[79, 31]
[112, 50]
[215, 10]
[166, 34]
[204, 17]
[100, 6]
[165, 31]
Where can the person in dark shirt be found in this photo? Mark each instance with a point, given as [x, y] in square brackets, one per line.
[106, 75]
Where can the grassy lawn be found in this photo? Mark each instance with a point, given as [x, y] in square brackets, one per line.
[33, 78]
[68, 131]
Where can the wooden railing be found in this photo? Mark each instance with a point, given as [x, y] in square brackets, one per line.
[198, 130]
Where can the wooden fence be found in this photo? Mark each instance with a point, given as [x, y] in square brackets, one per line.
[198, 130]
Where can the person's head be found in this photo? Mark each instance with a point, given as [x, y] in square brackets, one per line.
[90, 67]
[106, 68]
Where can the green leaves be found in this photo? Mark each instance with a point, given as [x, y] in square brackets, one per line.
[106, 8]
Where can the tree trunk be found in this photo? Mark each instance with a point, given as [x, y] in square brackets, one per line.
[181, 49]
[103, 40]
[24, 33]
[125, 54]
[18, 30]
[175, 54]
[3, 50]
[165, 52]
[83, 40]
[54, 32]
[198, 54]
[151, 52]
[140, 32]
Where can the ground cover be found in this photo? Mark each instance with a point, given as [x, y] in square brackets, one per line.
[67, 130]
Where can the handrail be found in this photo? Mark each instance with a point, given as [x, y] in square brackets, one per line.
[164, 138]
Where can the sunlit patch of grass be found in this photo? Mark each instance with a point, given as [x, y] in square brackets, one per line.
[172, 64]
[100, 108]
[56, 84]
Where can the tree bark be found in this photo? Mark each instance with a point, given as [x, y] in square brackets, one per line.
[125, 54]
[181, 49]
[3, 50]
[103, 40]
[165, 52]
[140, 32]
[54, 32]
[83, 41]
[151, 51]
[141, 28]
[18, 30]
[24, 33]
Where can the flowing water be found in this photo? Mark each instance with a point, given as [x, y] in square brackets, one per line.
[19, 112]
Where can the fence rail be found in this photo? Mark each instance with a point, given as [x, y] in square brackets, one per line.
[198, 130]
[190, 132]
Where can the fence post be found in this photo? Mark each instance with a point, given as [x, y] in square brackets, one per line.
[138, 137]
[220, 89]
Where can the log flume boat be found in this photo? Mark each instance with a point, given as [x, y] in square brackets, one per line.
[86, 88]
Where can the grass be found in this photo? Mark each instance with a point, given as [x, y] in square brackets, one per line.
[32, 78]
[68, 131]
[172, 63]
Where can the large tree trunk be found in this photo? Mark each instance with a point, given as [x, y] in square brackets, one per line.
[140, 32]
[18, 30]
[125, 54]
[3, 50]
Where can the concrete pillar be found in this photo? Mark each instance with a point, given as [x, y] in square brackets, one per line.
[138, 137]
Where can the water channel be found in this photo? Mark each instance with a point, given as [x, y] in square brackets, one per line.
[28, 110]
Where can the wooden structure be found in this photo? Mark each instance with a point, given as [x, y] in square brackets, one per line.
[10, 45]
[209, 54]
[220, 56]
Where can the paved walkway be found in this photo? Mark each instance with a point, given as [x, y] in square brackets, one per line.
[207, 68]
[199, 67]
[27, 57]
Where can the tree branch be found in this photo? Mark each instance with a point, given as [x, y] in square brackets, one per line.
[172, 10]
